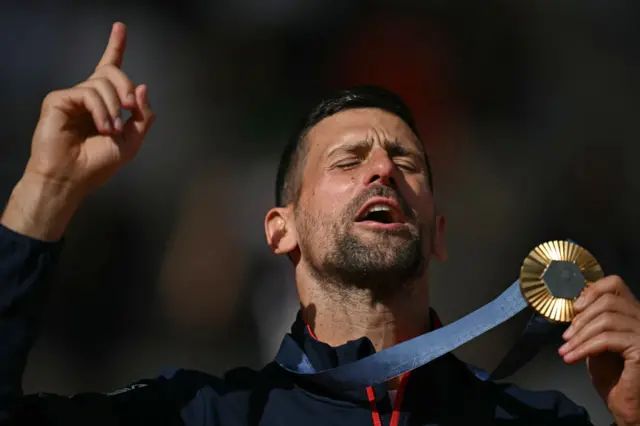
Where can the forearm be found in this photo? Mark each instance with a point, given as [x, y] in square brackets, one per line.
[40, 208]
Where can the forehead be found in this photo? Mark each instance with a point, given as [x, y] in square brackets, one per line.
[357, 125]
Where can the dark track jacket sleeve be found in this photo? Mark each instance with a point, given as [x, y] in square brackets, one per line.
[26, 268]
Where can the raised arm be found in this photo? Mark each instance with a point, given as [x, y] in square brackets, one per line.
[80, 141]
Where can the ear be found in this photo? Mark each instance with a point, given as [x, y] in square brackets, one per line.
[439, 244]
[280, 230]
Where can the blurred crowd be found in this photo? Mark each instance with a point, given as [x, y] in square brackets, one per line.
[527, 110]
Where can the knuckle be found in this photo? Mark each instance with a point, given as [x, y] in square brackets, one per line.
[89, 91]
[599, 339]
[51, 98]
[581, 325]
[100, 81]
[107, 93]
[577, 323]
[607, 318]
[105, 69]
[114, 76]
[126, 84]
[616, 279]
[608, 300]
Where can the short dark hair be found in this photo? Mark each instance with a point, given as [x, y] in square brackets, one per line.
[289, 177]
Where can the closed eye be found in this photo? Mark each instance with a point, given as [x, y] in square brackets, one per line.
[406, 166]
[347, 164]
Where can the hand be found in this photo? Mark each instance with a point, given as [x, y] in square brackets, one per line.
[80, 138]
[606, 332]
[80, 141]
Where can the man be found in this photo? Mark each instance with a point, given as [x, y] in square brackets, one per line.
[357, 219]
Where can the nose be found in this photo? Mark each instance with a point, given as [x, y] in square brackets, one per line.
[382, 170]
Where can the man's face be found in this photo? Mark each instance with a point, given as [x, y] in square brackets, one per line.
[365, 216]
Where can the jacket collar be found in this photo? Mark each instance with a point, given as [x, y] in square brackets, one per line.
[323, 357]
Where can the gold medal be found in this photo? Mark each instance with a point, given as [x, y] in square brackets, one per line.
[553, 275]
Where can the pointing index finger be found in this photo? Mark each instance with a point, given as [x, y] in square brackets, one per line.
[114, 53]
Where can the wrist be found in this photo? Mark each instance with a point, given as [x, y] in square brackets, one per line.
[40, 207]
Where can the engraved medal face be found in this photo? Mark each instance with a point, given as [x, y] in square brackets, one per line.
[553, 275]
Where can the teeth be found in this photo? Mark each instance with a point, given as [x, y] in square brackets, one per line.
[379, 208]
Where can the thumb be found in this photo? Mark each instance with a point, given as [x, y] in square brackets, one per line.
[142, 117]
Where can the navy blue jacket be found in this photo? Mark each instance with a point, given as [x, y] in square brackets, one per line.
[444, 392]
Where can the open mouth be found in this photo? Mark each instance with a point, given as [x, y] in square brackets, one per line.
[381, 211]
[380, 214]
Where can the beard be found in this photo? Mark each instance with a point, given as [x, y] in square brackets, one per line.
[381, 261]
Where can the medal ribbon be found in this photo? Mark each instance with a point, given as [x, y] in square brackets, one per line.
[411, 354]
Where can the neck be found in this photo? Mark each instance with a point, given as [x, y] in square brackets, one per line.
[337, 317]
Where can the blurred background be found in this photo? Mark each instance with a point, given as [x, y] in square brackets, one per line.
[527, 109]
